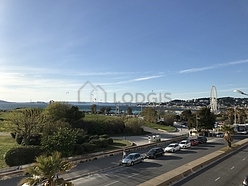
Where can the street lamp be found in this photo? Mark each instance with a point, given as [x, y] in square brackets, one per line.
[240, 92]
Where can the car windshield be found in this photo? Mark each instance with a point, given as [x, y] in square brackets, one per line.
[130, 156]
[172, 145]
[151, 151]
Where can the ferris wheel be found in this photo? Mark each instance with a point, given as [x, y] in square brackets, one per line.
[213, 100]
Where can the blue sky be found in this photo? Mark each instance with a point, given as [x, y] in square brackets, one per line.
[50, 49]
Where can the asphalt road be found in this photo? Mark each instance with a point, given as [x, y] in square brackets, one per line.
[229, 172]
[106, 171]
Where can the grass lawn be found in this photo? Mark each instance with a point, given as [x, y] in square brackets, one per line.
[6, 142]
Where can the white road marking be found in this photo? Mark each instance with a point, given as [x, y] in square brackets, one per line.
[111, 183]
[132, 175]
[244, 159]
[217, 179]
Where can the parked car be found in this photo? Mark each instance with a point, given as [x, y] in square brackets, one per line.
[173, 147]
[155, 152]
[245, 181]
[202, 139]
[220, 135]
[185, 144]
[132, 159]
[194, 142]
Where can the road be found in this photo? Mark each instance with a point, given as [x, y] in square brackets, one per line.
[229, 172]
[103, 169]
[106, 171]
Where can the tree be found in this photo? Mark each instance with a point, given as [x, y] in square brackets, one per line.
[57, 111]
[46, 170]
[62, 141]
[169, 119]
[102, 110]
[206, 119]
[93, 109]
[229, 113]
[228, 129]
[108, 109]
[203, 119]
[26, 123]
[60, 111]
[134, 125]
[149, 114]
[186, 115]
[129, 111]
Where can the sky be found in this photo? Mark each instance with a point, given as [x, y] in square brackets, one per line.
[121, 51]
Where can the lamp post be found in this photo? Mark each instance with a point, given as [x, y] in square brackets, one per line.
[240, 92]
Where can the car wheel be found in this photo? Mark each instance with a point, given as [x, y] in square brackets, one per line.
[132, 163]
[173, 150]
[155, 156]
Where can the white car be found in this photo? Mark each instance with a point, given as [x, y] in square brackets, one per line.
[173, 147]
[185, 144]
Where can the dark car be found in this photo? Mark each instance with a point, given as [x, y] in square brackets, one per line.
[155, 152]
[202, 139]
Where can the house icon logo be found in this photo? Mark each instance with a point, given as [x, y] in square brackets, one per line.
[93, 92]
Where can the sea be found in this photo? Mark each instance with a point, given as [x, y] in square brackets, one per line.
[83, 106]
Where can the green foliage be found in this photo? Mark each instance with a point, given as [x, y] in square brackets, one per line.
[110, 141]
[104, 136]
[56, 111]
[22, 155]
[133, 126]
[100, 143]
[78, 149]
[89, 147]
[149, 114]
[62, 141]
[45, 169]
[129, 111]
[169, 119]
[93, 109]
[26, 123]
[99, 124]
[82, 139]
[202, 119]
[186, 115]
[63, 112]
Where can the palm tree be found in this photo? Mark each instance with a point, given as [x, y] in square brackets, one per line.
[228, 129]
[46, 169]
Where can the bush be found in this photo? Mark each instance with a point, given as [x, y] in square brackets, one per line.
[22, 155]
[78, 149]
[110, 141]
[82, 139]
[89, 147]
[101, 142]
[94, 137]
[105, 136]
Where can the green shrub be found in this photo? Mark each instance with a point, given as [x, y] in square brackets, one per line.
[100, 143]
[78, 149]
[19, 139]
[104, 136]
[110, 141]
[89, 147]
[94, 137]
[22, 155]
